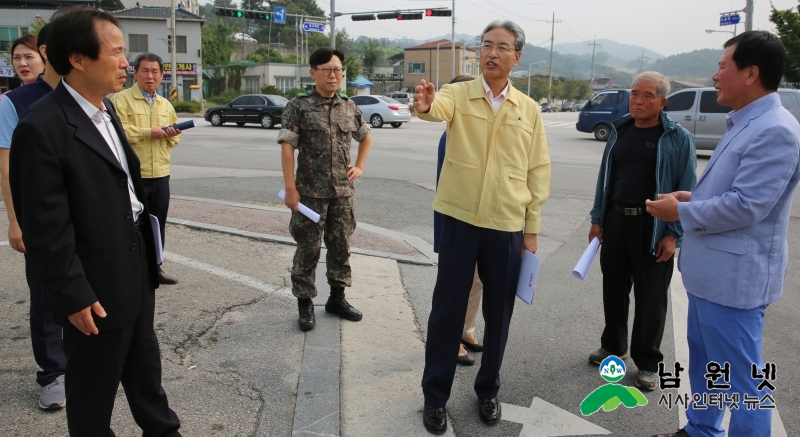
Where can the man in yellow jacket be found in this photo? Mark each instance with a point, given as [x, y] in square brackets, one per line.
[494, 180]
[147, 119]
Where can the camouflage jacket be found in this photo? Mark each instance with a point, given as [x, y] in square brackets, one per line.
[322, 129]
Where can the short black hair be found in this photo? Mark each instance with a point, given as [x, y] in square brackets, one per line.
[74, 31]
[323, 55]
[41, 37]
[152, 57]
[761, 49]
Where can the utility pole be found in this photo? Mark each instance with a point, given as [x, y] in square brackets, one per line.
[748, 16]
[641, 60]
[550, 75]
[453, 39]
[333, 24]
[593, 45]
[173, 50]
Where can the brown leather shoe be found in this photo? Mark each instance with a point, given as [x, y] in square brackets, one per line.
[164, 279]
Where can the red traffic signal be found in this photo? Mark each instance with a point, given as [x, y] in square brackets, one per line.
[438, 13]
[415, 16]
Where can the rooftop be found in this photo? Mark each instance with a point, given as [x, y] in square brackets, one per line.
[445, 44]
[156, 12]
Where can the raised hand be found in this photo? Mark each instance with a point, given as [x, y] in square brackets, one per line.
[423, 96]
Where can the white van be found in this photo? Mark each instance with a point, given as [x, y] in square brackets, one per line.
[697, 110]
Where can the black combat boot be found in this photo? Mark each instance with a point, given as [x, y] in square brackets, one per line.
[306, 320]
[337, 304]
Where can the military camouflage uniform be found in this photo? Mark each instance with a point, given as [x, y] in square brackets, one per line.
[322, 129]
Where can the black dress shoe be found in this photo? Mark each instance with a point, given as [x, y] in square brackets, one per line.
[465, 360]
[435, 419]
[338, 305]
[306, 321]
[477, 347]
[489, 410]
[164, 279]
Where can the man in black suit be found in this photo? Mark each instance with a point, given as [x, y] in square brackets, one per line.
[79, 199]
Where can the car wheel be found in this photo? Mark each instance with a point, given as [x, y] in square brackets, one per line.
[216, 119]
[239, 123]
[266, 122]
[376, 121]
[396, 125]
[601, 132]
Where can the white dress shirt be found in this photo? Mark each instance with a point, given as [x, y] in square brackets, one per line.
[496, 101]
[102, 121]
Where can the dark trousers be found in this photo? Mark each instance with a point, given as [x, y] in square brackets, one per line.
[46, 336]
[156, 191]
[98, 363]
[497, 255]
[626, 260]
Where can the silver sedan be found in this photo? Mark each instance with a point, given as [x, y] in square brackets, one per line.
[378, 110]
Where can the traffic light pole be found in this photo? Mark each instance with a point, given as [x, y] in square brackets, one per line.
[333, 24]
[173, 50]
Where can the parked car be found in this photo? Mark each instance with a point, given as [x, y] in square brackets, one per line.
[549, 107]
[598, 113]
[697, 110]
[241, 37]
[567, 106]
[264, 109]
[402, 97]
[381, 109]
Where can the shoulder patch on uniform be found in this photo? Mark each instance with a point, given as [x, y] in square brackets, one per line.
[343, 95]
[301, 95]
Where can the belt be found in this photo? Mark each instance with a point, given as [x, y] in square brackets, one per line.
[631, 211]
[137, 225]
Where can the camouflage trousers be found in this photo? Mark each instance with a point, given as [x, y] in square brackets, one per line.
[337, 223]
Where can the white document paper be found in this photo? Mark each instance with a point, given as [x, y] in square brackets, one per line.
[306, 211]
[157, 238]
[582, 268]
[528, 271]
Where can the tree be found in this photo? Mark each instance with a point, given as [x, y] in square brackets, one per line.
[787, 23]
[352, 65]
[35, 27]
[372, 56]
[235, 72]
[576, 89]
[265, 54]
[217, 49]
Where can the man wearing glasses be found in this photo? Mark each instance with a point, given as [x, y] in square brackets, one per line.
[494, 180]
[320, 124]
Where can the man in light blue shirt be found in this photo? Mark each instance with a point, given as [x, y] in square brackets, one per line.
[735, 253]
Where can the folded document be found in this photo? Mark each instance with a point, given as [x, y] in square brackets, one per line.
[306, 211]
[528, 271]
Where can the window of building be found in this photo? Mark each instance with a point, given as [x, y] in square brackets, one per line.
[137, 43]
[251, 85]
[285, 83]
[7, 37]
[181, 47]
[416, 67]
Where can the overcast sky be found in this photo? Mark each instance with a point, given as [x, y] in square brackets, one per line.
[664, 26]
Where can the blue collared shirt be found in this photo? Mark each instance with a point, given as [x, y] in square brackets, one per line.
[149, 97]
[14, 105]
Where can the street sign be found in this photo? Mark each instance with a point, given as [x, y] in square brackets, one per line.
[729, 20]
[280, 14]
[313, 26]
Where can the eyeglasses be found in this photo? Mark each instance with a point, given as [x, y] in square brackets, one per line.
[328, 71]
[501, 48]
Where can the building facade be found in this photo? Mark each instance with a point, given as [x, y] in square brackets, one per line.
[425, 61]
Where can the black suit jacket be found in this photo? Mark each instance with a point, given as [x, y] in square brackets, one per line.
[71, 198]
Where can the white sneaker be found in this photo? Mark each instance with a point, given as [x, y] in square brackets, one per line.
[52, 396]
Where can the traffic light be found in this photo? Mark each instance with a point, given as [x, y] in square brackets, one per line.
[387, 16]
[407, 16]
[258, 15]
[363, 17]
[438, 12]
[235, 13]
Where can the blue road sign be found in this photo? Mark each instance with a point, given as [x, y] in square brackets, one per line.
[729, 20]
[280, 15]
[312, 26]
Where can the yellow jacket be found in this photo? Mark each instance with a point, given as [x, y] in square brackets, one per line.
[496, 170]
[137, 118]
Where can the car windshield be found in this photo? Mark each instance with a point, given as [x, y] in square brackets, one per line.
[278, 100]
[389, 99]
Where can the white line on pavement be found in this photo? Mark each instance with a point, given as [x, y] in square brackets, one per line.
[680, 314]
[227, 274]
[3, 243]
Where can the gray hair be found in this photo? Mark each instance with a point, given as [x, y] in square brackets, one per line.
[662, 84]
[519, 34]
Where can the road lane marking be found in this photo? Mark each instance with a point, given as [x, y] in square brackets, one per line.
[228, 274]
[544, 419]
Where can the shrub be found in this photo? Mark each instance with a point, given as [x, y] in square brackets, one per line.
[225, 97]
[294, 92]
[271, 89]
[190, 106]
